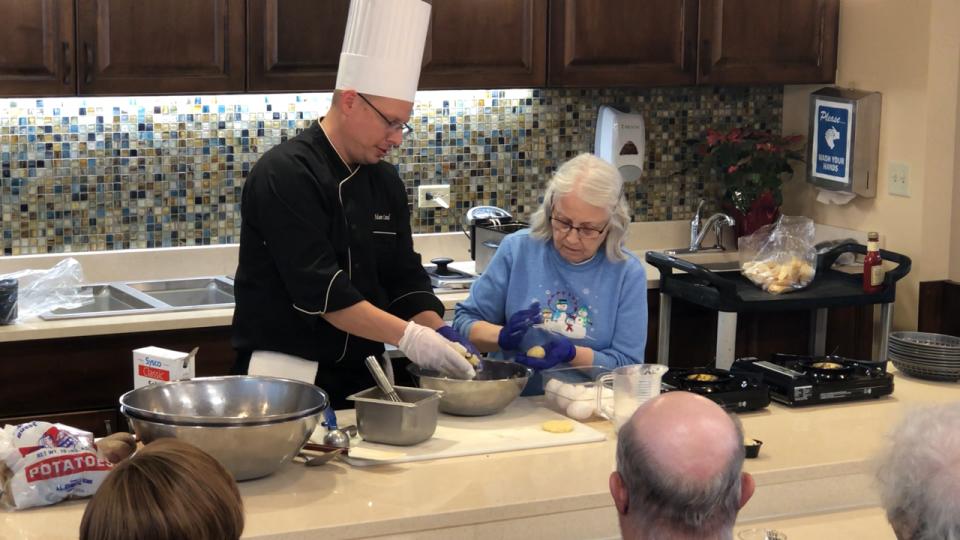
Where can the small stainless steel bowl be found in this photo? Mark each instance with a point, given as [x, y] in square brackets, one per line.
[495, 387]
[399, 423]
[251, 433]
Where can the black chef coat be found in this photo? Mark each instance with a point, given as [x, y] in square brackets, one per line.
[317, 237]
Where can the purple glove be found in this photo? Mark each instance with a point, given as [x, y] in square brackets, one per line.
[555, 351]
[452, 335]
[517, 325]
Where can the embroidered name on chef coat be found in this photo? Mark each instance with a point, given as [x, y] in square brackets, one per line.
[381, 217]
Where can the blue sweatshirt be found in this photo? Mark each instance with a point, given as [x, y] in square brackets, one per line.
[597, 304]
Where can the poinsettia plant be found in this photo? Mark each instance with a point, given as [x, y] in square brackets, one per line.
[749, 163]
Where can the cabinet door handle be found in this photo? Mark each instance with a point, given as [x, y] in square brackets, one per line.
[705, 59]
[88, 68]
[107, 427]
[67, 64]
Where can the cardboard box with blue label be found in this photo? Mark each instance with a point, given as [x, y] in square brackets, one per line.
[844, 140]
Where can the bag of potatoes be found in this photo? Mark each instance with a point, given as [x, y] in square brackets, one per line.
[780, 257]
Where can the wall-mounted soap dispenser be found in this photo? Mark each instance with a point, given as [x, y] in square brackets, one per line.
[620, 141]
[844, 140]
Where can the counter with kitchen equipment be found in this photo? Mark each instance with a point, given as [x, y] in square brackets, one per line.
[730, 293]
[814, 459]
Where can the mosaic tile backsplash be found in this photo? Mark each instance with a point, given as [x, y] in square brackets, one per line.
[84, 174]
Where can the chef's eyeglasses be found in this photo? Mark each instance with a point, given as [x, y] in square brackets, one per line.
[392, 125]
[564, 227]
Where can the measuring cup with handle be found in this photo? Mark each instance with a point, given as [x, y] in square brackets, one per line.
[632, 386]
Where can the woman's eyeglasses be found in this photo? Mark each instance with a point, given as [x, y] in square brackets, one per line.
[403, 127]
[564, 227]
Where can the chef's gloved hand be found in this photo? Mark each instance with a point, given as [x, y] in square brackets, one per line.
[517, 325]
[430, 350]
[454, 336]
[557, 350]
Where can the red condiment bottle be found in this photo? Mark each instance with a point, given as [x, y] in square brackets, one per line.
[872, 265]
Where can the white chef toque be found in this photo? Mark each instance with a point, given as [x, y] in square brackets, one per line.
[383, 47]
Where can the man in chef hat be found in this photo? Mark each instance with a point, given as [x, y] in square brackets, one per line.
[327, 271]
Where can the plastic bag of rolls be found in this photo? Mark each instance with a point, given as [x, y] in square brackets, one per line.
[781, 257]
[43, 463]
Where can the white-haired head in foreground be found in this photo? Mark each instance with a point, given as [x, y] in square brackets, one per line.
[919, 474]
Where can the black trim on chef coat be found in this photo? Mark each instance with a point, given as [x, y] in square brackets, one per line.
[316, 237]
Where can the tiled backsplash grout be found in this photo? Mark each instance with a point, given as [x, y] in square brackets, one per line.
[84, 174]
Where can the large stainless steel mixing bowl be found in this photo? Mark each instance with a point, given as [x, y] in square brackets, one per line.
[497, 384]
[252, 425]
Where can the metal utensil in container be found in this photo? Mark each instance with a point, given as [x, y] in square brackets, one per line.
[252, 425]
[381, 379]
[409, 422]
[495, 387]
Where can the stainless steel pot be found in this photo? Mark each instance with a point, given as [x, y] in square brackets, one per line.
[487, 238]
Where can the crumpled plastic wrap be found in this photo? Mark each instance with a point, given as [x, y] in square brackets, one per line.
[780, 257]
[40, 291]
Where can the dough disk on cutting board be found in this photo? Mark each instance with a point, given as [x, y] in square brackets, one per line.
[557, 426]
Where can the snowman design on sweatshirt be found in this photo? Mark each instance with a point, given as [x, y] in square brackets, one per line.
[563, 313]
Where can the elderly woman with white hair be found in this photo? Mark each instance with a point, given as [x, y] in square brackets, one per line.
[569, 274]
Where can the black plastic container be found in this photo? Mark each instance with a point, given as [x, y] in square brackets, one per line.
[8, 301]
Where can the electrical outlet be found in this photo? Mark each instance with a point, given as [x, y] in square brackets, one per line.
[427, 196]
[898, 179]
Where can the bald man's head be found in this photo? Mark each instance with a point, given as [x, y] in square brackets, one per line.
[687, 435]
[679, 462]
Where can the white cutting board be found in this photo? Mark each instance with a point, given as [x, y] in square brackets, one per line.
[518, 427]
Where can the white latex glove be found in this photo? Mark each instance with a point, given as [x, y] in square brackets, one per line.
[428, 349]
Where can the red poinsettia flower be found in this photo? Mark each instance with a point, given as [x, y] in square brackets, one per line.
[749, 163]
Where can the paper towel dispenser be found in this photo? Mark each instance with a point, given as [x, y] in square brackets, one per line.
[620, 141]
[844, 140]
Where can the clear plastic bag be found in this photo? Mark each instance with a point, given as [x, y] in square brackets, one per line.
[40, 291]
[780, 257]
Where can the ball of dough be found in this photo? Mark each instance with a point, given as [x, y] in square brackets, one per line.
[536, 352]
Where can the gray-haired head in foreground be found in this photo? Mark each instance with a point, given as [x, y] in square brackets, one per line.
[671, 507]
[596, 182]
[919, 474]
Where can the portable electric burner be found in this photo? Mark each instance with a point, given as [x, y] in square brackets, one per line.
[733, 392]
[804, 380]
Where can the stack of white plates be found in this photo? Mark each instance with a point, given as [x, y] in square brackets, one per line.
[925, 355]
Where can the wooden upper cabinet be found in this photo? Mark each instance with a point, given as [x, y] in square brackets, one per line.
[622, 42]
[294, 45]
[486, 44]
[36, 48]
[768, 42]
[160, 46]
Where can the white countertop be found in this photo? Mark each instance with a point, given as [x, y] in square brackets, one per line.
[815, 460]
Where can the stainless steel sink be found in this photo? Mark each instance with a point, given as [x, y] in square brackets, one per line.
[712, 259]
[188, 293]
[136, 297]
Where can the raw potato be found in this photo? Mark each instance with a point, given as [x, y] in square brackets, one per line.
[558, 426]
[117, 447]
[775, 277]
[536, 352]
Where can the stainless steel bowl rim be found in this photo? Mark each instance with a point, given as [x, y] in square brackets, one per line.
[193, 420]
[179, 423]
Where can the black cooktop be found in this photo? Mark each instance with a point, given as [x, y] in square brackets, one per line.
[733, 392]
[806, 380]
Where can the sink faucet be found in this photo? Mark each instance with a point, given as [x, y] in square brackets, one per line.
[698, 231]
